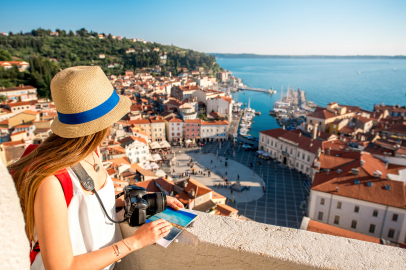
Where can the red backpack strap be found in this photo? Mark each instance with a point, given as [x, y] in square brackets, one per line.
[66, 182]
[29, 149]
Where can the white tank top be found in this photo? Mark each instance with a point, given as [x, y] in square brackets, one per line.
[89, 228]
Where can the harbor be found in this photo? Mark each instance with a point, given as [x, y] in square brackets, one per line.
[259, 109]
[292, 108]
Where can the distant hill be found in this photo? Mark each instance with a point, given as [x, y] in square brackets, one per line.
[113, 54]
[250, 55]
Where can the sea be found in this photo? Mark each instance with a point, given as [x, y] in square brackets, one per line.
[346, 81]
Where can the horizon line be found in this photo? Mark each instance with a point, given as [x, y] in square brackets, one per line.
[363, 55]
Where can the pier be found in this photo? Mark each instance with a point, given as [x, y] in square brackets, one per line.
[253, 89]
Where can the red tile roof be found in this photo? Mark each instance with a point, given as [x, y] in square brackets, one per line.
[17, 133]
[150, 185]
[210, 123]
[394, 169]
[303, 142]
[139, 121]
[16, 104]
[31, 112]
[225, 210]
[174, 119]
[345, 181]
[318, 227]
[10, 144]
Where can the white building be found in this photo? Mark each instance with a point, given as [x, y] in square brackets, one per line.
[290, 148]
[214, 130]
[203, 82]
[187, 111]
[136, 149]
[204, 94]
[222, 105]
[355, 194]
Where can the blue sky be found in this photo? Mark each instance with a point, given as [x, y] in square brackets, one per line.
[262, 27]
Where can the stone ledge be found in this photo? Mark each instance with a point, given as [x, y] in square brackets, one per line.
[14, 241]
[227, 243]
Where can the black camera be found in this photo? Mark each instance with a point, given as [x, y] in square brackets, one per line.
[139, 205]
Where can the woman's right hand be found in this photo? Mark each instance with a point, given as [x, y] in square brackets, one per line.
[150, 233]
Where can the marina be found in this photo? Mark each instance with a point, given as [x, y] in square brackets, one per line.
[289, 110]
[292, 108]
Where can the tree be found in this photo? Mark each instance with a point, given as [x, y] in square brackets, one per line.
[3, 98]
[71, 34]
[5, 56]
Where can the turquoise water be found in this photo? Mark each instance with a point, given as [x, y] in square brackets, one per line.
[323, 80]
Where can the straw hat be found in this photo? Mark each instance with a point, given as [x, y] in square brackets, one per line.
[86, 102]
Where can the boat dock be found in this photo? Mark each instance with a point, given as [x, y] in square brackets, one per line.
[291, 110]
[253, 89]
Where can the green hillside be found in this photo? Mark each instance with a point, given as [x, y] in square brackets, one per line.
[84, 48]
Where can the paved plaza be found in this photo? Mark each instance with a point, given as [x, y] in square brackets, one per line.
[285, 189]
[218, 172]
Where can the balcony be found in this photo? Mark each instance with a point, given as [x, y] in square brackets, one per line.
[216, 242]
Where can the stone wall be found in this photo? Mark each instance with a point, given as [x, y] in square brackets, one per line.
[216, 242]
[15, 247]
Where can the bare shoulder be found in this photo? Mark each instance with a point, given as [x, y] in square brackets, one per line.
[49, 184]
[50, 189]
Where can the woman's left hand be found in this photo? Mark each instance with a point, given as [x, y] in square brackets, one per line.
[174, 203]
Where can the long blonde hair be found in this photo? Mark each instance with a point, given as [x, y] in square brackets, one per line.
[52, 155]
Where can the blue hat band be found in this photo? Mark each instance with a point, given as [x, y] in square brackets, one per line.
[92, 114]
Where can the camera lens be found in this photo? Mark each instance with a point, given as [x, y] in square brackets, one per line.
[156, 202]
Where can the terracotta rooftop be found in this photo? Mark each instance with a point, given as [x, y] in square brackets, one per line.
[224, 210]
[303, 142]
[318, 227]
[367, 188]
[26, 87]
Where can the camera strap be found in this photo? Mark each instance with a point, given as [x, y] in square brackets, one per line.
[87, 183]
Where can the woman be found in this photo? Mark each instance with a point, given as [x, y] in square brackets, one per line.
[78, 236]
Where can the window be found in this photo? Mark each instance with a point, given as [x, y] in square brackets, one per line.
[276, 144]
[187, 129]
[356, 209]
[322, 201]
[303, 156]
[297, 165]
[173, 134]
[375, 213]
[372, 228]
[301, 167]
[291, 151]
[337, 220]
[271, 143]
[395, 217]
[320, 216]
[308, 158]
[354, 224]
[391, 233]
[338, 205]
[307, 169]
